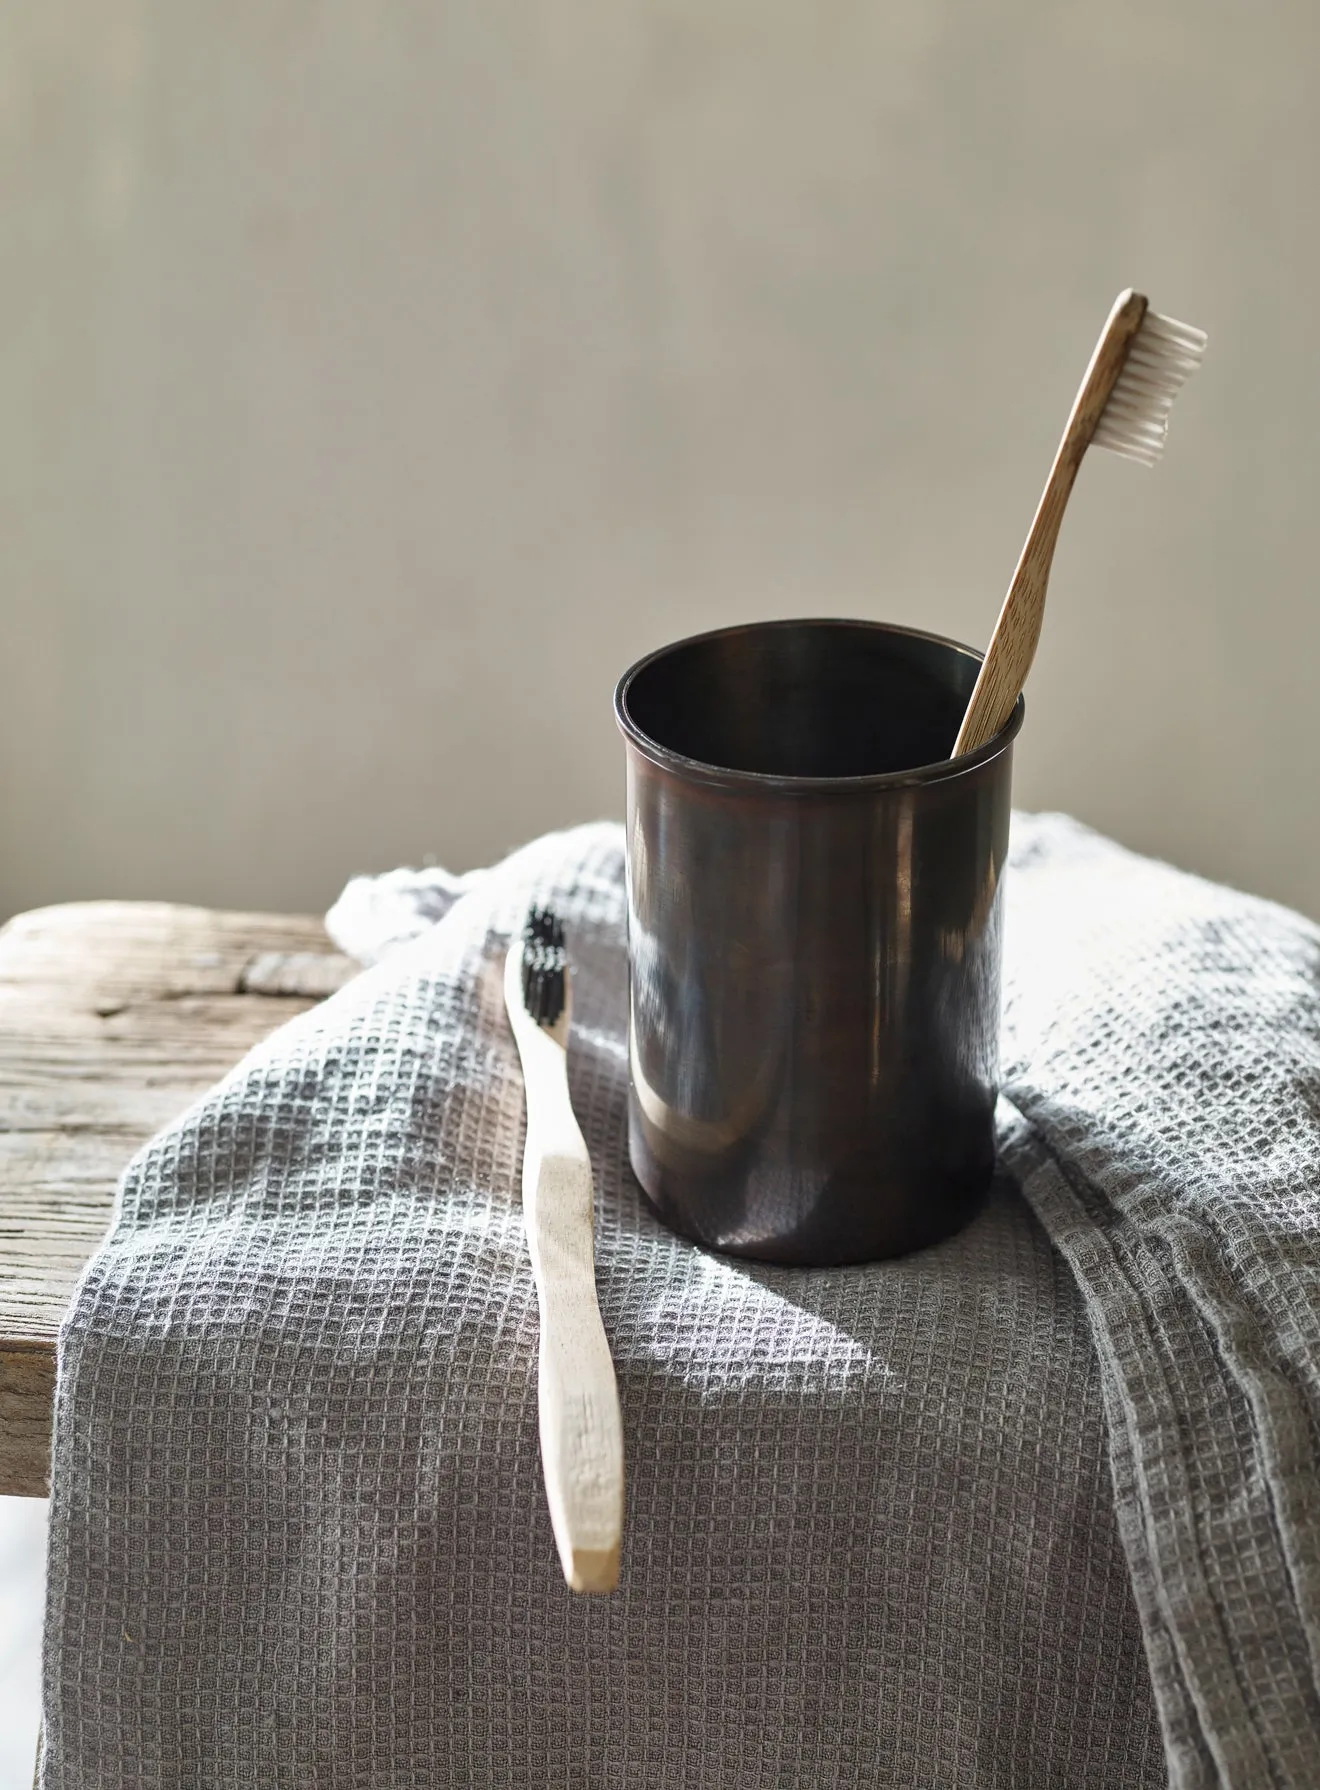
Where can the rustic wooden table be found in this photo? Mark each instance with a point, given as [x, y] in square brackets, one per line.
[113, 1017]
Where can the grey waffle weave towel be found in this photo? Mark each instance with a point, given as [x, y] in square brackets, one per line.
[1034, 1509]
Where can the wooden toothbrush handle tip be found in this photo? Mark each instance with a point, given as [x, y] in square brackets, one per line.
[1013, 644]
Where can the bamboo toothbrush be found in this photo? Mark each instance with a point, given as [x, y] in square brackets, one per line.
[1139, 366]
[578, 1399]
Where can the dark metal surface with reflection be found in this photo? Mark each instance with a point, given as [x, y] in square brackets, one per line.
[814, 937]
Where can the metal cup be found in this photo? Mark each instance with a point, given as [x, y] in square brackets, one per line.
[814, 913]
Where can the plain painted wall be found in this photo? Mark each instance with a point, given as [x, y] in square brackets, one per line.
[378, 380]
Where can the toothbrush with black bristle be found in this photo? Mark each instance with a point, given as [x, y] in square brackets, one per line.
[577, 1396]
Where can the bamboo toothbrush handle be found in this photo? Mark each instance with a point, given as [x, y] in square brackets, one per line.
[577, 1397]
[577, 1394]
[1013, 643]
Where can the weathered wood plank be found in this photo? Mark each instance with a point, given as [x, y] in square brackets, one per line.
[113, 1017]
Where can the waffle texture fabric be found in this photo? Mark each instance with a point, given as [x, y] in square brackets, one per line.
[1036, 1508]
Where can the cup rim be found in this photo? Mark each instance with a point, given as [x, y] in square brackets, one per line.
[941, 770]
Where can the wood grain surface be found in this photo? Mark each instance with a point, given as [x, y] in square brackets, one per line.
[114, 1016]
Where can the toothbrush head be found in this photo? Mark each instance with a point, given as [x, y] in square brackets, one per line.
[544, 966]
[1162, 357]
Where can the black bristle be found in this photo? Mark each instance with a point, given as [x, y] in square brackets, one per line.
[544, 966]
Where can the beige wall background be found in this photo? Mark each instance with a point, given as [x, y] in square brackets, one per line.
[378, 380]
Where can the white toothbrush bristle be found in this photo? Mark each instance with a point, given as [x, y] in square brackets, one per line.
[1163, 356]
